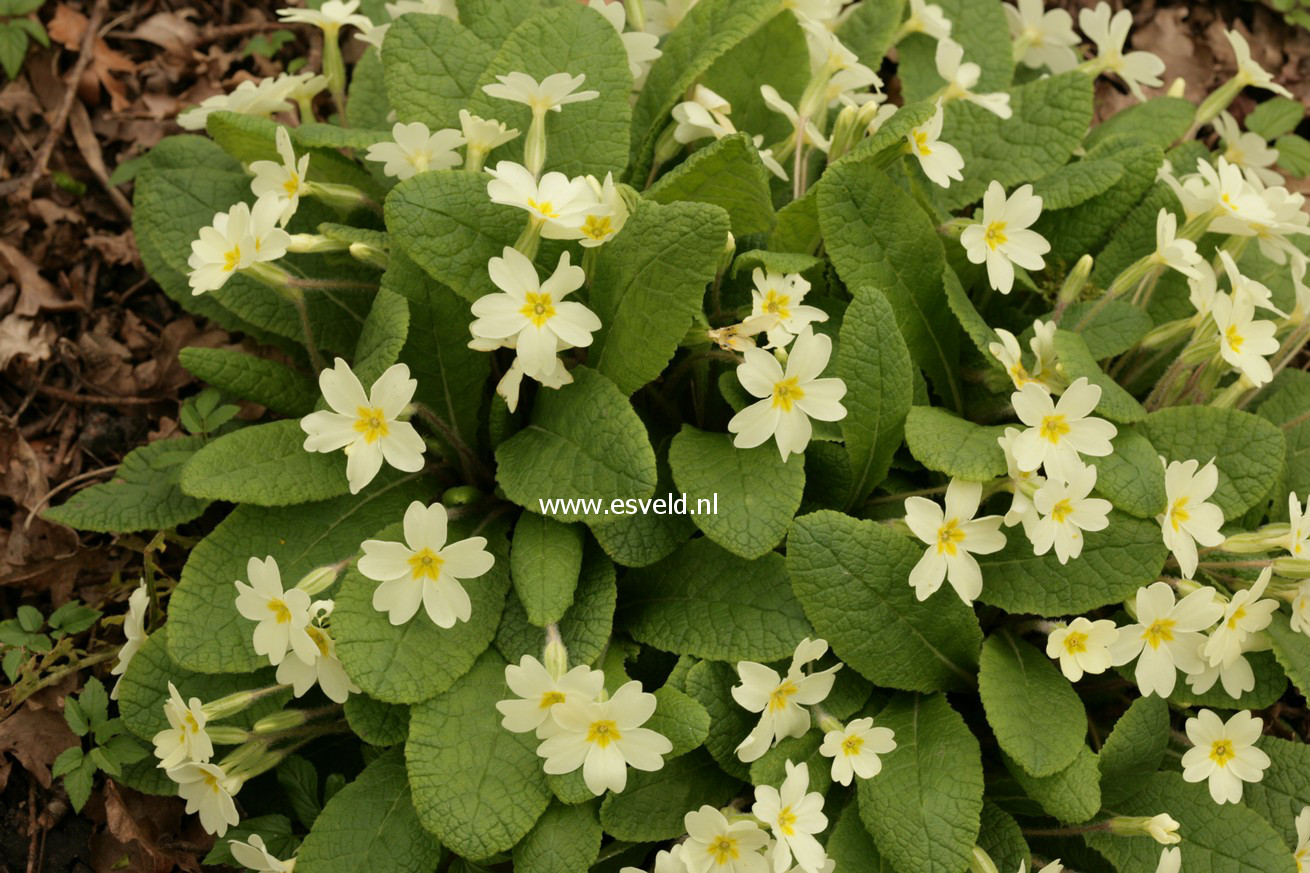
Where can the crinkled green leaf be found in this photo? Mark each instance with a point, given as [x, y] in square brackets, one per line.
[652, 806]
[1160, 121]
[1287, 405]
[143, 495]
[973, 323]
[1015, 681]
[1220, 838]
[1135, 747]
[1285, 789]
[477, 787]
[875, 364]
[710, 682]
[544, 566]
[1131, 476]
[691, 603]
[209, 635]
[1077, 362]
[776, 55]
[585, 442]
[1115, 562]
[727, 173]
[878, 237]
[382, 337]
[649, 283]
[1002, 839]
[566, 839]
[1077, 183]
[370, 825]
[248, 377]
[923, 810]
[980, 27]
[681, 718]
[1247, 449]
[431, 67]
[586, 625]
[375, 722]
[869, 29]
[264, 465]
[757, 493]
[1114, 329]
[367, 106]
[1071, 795]
[951, 445]
[1086, 227]
[1292, 648]
[850, 575]
[771, 769]
[1270, 685]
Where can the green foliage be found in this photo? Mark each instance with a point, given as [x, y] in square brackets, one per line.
[727, 173]
[247, 377]
[111, 749]
[264, 465]
[544, 566]
[1015, 681]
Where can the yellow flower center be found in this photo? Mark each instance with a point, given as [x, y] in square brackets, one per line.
[1075, 643]
[1178, 513]
[539, 309]
[949, 536]
[1159, 632]
[189, 719]
[211, 782]
[292, 184]
[281, 614]
[786, 393]
[1222, 751]
[231, 258]
[1053, 427]
[603, 732]
[852, 745]
[1234, 338]
[320, 639]
[779, 696]
[776, 304]
[550, 698]
[996, 235]
[921, 143]
[1061, 510]
[723, 850]
[545, 208]
[787, 821]
[1238, 615]
[1301, 857]
[372, 423]
[425, 564]
[597, 227]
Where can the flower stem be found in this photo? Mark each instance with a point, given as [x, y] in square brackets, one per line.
[472, 468]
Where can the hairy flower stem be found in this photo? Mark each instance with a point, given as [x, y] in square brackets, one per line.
[471, 466]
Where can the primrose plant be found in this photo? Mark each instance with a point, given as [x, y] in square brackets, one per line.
[1003, 413]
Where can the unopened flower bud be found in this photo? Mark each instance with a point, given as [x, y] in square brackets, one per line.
[229, 705]
[1292, 568]
[1076, 280]
[371, 255]
[555, 657]
[312, 243]
[981, 862]
[226, 735]
[319, 580]
[285, 720]
[461, 495]
[1162, 828]
[1266, 539]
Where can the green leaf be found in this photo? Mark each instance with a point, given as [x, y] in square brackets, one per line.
[367, 106]
[875, 364]
[382, 337]
[1002, 839]
[78, 783]
[259, 380]
[1285, 789]
[75, 717]
[544, 566]
[775, 54]
[1077, 362]
[710, 682]
[1285, 406]
[1077, 183]
[652, 806]
[642, 538]
[691, 603]
[1275, 117]
[681, 718]
[1071, 795]
[264, 465]
[210, 636]
[1247, 449]
[779, 262]
[1049, 119]
[757, 493]
[1221, 838]
[314, 135]
[709, 31]
[68, 760]
[445, 222]
[1292, 648]
[727, 173]
[375, 722]
[878, 237]
[143, 495]
[870, 28]
[432, 66]
[1135, 747]
[13, 49]
[1159, 121]
[1086, 227]
[299, 781]
[584, 441]
[973, 323]
[1116, 327]
[923, 810]
[450, 375]
[1015, 681]
[850, 576]
[649, 283]
[589, 137]
[95, 704]
[1131, 476]
[1115, 562]
[477, 787]
[251, 138]
[951, 445]
[1294, 154]
[566, 839]
[980, 27]
[144, 687]
[585, 626]
[493, 20]
[418, 659]
[370, 825]
[798, 229]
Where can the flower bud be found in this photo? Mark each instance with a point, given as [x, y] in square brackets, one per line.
[1077, 278]
[981, 862]
[285, 720]
[337, 195]
[729, 252]
[666, 146]
[229, 705]
[319, 580]
[1292, 568]
[1266, 539]
[555, 657]
[311, 243]
[226, 735]
[367, 254]
[845, 130]
[461, 495]
[1162, 828]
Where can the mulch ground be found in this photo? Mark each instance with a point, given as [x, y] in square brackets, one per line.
[88, 343]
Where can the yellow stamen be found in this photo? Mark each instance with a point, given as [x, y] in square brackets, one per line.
[426, 564]
[786, 393]
[1234, 338]
[292, 185]
[1075, 643]
[550, 698]
[320, 639]
[995, 235]
[1222, 751]
[603, 732]
[852, 745]
[597, 226]
[723, 850]
[1061, 510]
[1237, 616]
[1053, 427]
[776, 304]
[545, 208]
[787, 821]
[372, 423]
[949, 536]
[281, 614]
[1159, 632]
[1178, 512]
[779, 696]
[231, 259]
[539, 309]
[921, 143]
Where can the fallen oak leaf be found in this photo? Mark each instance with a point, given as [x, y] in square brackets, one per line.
[22, 338]
[35, 292]
[67, 28]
